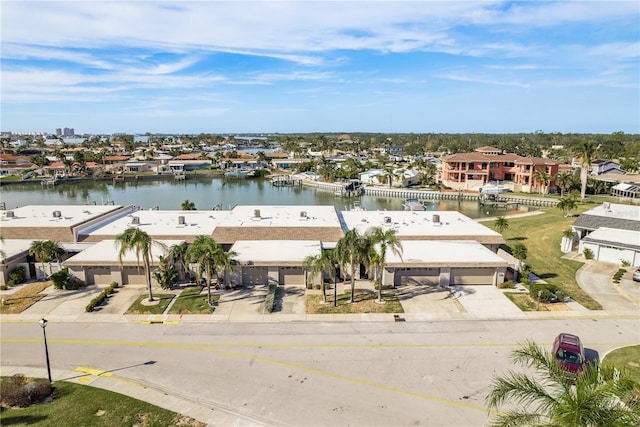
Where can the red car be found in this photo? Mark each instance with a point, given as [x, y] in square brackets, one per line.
[568, 351]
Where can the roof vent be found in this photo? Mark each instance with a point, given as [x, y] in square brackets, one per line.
[181, 220]
[10, 214]
[256, 213]
[57, 214]
[135, 220]
[436, 219]
[387, 220]
[606, 206]
[303, 214]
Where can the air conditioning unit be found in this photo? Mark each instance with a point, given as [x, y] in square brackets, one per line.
[303, 215]
[10, 214]
[181, 220]
[435, 219]
[387, 220]
[135, 220]
[256, 213]
[57, 214]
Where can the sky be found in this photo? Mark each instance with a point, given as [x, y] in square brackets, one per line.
[320, 66]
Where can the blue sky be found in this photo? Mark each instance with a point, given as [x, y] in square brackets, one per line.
[332, 66]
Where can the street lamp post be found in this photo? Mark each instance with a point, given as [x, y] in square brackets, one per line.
[335, 285]
[43, 322]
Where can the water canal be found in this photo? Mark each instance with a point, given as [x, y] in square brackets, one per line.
[207, 192]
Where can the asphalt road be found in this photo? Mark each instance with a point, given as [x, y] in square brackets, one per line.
[312, 374]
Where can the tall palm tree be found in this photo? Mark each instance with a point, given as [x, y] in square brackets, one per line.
[207, 253]
[519, 251]
[352, 250]
[381, 241]
[138, 241]
[317, 265]
[585, 151]
[598, 397]
[45, 250]
[501, 224]
[564, 181]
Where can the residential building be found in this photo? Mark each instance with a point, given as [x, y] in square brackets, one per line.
[471, 171]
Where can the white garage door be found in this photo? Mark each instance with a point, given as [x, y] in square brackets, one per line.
[472, 276]
[98, 275]
[417, 276]
[614, 255]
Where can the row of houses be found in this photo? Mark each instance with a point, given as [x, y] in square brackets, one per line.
[270, 243]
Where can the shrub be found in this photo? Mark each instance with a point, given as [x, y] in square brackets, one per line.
[546, 293]
[14, 393]
[588, 253]
[271, 298]
[625, 263]
[60, 279]
[38, 391]
[507, 285]
[18, 275]
[4, 287]
[101, 297]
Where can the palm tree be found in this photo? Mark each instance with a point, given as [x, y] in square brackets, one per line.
[207, 253]
[188, 206]
[45, 251]
[585, 151]
[138, 241]
[383, 240]
[564, 181]
[597, 397]
[501, 224]
[567, 204]
[519, 251]
[317, 265]
[177, 255]
[166, 274]
[352, 250]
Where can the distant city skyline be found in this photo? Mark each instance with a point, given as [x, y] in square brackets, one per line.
[327, 66]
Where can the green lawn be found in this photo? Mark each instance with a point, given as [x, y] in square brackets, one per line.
[79, 405]
[364, 303]
[627, 358]
[138, 308]
[541, 234]
[192, 301]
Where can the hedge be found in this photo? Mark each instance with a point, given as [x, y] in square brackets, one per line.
[271, 298]
[101, 297]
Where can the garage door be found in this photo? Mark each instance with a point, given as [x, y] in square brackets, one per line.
[254, 275]
[417, 276]
[292, 276]
[98, 275]
[133, 276]
[614, 255]
[472, 276]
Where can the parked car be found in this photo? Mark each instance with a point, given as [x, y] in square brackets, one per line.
[568, 351]
[636, 274]
[28, 175]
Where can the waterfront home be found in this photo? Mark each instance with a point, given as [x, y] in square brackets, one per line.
[373, 177]
[471, 171]
[11, 164]
[611, 232]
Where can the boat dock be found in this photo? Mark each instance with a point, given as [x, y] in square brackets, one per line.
[284, 180]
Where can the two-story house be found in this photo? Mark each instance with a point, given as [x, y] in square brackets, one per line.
[472, 171]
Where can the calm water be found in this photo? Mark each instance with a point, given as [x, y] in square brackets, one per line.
[209, 192]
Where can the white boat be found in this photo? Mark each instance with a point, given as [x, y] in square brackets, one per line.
[239, 173]
[413, 205]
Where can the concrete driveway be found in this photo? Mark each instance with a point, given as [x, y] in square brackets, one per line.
[596, 279]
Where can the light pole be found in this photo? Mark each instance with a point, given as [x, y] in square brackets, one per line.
[43, 322]
[335, 285]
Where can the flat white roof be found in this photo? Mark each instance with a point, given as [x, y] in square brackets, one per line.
[165, 223]
[106, 253]
[276, 251]
[43, 215]
[281, 216]
[614, 210]
[616, 235]
[13, 247]
[454, 253]
[418, 223]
